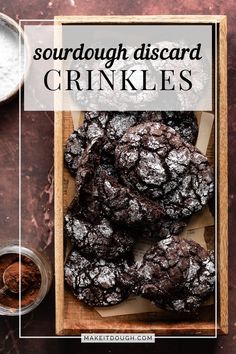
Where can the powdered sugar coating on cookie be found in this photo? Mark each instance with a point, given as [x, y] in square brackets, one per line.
[123, 205]
[113, 125]
[100, 239]
[163, 269]
[153, 159]
[97, 282]
[199, 284]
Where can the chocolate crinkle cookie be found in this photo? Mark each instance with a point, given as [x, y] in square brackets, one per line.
[98, 282]
[177, 274]
[92, 129]
[184, 123]
[157, 162]
[100, 193]
[121, 204]
[199, 285]
[163, 269]
[113, 125]
[99, 240]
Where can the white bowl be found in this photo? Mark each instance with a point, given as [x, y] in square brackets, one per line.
[8, 27]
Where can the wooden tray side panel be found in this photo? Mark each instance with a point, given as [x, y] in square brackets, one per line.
[58, 221]
[223, 182]
[139, 19]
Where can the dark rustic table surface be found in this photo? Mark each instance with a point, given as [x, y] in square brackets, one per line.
[37, 178]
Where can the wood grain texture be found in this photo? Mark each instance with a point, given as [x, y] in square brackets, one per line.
[58, 220]
[139, 19]
[73, 317]
[223, 180]
[58, 198]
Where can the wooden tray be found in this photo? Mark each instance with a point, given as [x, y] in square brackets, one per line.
[74, 318]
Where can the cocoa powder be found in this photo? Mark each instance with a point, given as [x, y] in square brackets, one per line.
[30, 280]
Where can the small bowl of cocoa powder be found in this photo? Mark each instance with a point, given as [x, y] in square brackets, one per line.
[25, 278]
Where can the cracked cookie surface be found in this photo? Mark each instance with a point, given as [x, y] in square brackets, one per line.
[121, 204]
[153, 159]
[113, 126]
[176, 274]
[199, 285]
[97, 282]
[99, 240]
[163, 269]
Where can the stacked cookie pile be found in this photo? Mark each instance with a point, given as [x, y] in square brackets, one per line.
[137, 174]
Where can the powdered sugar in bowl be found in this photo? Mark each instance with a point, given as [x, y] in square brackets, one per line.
[13, 66]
